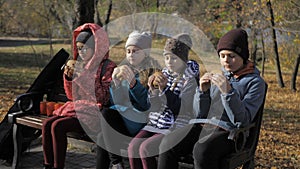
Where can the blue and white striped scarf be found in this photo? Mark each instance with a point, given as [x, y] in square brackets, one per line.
[175, 81]
[165, 118]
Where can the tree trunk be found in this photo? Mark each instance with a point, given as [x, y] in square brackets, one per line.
[263, 55]
[108, 14]
[154, 19]
[97, 15]
[238, 7]
[47, 8]
[84, 11]
[275, 47]
[254, 49]
[294, 75]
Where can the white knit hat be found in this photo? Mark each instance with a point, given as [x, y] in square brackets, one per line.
[142, 40]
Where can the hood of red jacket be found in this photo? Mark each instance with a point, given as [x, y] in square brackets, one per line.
[101, 44]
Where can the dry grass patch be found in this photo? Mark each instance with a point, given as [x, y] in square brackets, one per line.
[279, 142]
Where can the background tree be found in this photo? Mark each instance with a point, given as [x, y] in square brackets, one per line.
[294, 74]
[97, 15]
[275, 47]
[84, 12]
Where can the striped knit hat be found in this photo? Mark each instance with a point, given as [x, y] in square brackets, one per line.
[179, 45]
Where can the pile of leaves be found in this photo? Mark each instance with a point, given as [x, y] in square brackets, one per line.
[279, 144]
[13, 81]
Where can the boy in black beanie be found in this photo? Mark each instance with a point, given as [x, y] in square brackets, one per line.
[222, 102]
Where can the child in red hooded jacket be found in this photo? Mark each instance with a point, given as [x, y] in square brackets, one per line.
[86, 88]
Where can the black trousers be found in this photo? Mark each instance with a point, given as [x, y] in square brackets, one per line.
[113, 138]
[207, 144]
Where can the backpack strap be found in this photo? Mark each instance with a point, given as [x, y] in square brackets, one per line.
[103, 69]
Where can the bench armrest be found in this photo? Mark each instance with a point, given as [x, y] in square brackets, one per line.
[29, 101]
[12, 116]
[239, 136]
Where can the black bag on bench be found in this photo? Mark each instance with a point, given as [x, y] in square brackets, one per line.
[42, 84]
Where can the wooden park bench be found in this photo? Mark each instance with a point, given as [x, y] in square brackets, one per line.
[25, 113]
[245, 147]
[27, 120]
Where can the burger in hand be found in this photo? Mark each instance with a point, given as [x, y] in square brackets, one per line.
[159, 79]
[69, 68]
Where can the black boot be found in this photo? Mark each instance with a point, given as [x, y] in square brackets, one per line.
[47, 166]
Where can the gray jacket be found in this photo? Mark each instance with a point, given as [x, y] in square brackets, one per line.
[235, 109]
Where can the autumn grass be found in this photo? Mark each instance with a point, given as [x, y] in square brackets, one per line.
[279, 142]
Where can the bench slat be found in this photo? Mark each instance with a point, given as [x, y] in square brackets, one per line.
[36, 121]
[31, 121]
[35, 118]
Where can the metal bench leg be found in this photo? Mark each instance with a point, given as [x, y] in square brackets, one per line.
[249, 164]
[17, 140]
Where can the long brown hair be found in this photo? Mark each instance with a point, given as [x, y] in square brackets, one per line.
[145, 69]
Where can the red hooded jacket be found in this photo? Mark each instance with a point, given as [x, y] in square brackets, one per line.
[87, 92]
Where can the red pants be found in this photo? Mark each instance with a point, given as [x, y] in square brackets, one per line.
[143, 150]
[54, 139]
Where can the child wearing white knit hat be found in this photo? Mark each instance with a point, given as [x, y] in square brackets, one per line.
[129, 90]
[142, 40]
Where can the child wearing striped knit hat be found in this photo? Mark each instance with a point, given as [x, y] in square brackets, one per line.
[170, 95]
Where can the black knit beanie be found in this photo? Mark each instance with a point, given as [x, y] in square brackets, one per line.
[235, 40]
[179, 45]
[86, 37]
